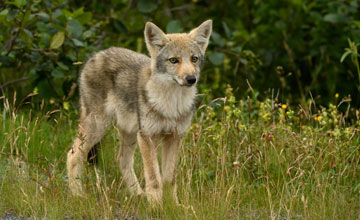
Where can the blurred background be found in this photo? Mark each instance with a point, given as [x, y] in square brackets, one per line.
[295, 51]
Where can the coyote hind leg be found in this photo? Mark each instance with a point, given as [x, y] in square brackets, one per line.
[125, 159]
[91, 129]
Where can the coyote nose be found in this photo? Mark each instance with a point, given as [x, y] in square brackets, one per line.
[190, 79]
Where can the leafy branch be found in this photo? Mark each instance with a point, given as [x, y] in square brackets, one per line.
[353, 52]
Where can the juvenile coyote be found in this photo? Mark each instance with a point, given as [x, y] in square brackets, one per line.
[152, 100]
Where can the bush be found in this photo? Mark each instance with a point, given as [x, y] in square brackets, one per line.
[292, 48]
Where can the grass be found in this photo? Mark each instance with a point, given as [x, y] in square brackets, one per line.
[240, 160]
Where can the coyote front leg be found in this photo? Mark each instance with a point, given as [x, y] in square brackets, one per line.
[126, 162]
[169, 158]
[153, 186]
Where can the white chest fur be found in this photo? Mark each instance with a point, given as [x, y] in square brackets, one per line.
[172, 101]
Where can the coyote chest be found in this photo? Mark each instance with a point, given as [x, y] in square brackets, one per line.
[159, 110]
[166, 110]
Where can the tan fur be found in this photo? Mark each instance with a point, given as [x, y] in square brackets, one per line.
[152, 100]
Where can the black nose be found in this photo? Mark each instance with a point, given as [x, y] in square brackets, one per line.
[190, 80]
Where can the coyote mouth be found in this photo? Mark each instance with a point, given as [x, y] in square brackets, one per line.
[177, 82]
[184, 84]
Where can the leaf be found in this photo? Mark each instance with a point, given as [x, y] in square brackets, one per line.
[217, 58]
[78, 12]
[4, 12]
[67, 14]
[12, 14]
[44, 89]
[44, 40]
[3, 15]
[57, 40]
[119, 26]
[17, 3]
[28, 18]
[87, 34]
[335, 18]
[77, 42]
[20, 2]
[146, 6]
[174, 26]
[356, 23]
[62, 66]
[226, 29]
[43, 16]
[59, 17]
[74, 28]
[345, 55]
[84, 18]
[26, 36]
[217, 39]
[56, 73]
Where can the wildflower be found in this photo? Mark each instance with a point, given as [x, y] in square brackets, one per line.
[66, 105]
[287, 113]
[302, 127]
[318, 118]
[337, 95]
[52, 101]
[283, 106]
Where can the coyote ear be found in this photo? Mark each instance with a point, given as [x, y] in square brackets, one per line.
[155, 38]
[202, 34]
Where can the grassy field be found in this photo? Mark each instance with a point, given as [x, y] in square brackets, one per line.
[240, 160]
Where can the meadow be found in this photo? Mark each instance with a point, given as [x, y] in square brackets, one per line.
[241, 159]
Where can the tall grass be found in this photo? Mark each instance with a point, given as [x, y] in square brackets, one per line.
[241, 159]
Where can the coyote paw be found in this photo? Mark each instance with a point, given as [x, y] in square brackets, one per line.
[77, 193]
[136, 191]
[154, 197]
[76, 188]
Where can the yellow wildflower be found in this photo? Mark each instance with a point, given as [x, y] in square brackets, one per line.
[36, 90]
[337, 95]
[283, 106]
[52, 101]
[66, 105]
[318, 118]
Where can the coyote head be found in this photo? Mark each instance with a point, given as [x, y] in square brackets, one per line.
[177, 58]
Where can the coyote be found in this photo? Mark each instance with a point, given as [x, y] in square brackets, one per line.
[151, 98]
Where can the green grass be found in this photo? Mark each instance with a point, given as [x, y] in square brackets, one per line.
[239, 160]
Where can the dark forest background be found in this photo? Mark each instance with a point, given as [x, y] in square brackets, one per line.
[296, 50]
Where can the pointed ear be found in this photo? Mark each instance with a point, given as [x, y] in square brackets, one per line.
[202, 34]
[155, 38]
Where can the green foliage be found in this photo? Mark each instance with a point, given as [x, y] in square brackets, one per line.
[353, 51]
[45, 42]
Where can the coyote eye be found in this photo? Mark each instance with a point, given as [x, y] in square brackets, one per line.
[194, 59]
[173, 60]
